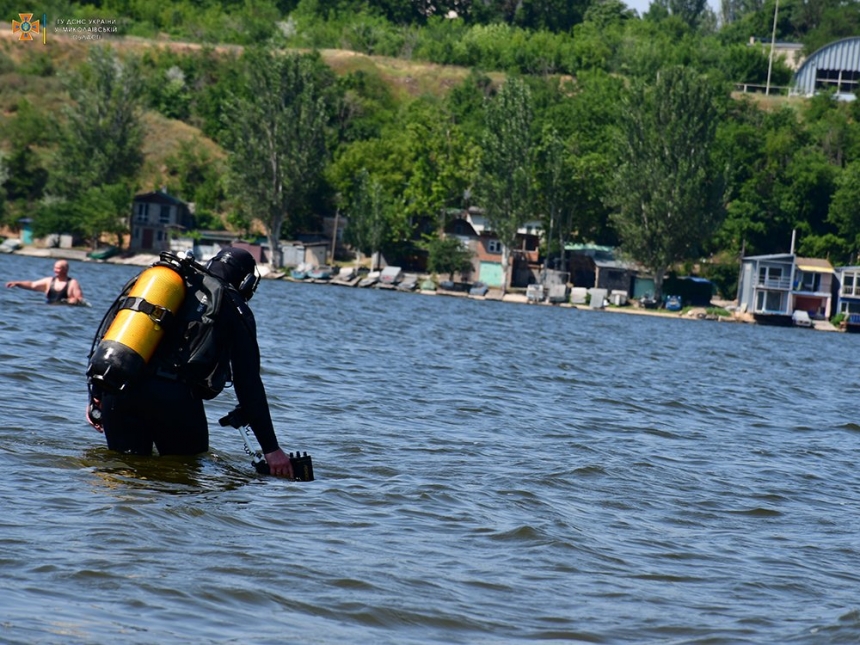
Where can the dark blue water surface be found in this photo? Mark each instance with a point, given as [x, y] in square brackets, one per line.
[487, 472]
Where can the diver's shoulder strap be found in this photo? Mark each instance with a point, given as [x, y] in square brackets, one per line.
[159, 315]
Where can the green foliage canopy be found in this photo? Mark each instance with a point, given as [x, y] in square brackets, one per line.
[668, 193]
[504, 186]
[99, 153]
[368, 212]
[276, 135]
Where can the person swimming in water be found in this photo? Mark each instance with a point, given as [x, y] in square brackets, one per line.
[58, 288]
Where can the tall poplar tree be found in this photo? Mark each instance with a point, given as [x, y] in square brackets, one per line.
[668, 191]
[505, 178]
[276, 136]
[100, 149]
[368, 213]
[554, 178]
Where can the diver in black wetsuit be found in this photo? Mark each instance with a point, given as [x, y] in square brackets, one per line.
[163, 411]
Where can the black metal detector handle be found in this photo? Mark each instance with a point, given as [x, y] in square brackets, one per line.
[303, 467]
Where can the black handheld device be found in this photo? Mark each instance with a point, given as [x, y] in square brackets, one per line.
[303, 467]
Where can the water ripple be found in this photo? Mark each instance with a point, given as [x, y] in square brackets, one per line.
[486, 473]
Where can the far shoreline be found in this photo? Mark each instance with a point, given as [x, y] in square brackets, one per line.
[694, 313]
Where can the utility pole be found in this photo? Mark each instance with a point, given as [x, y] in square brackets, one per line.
[772, 43]
[334, 235]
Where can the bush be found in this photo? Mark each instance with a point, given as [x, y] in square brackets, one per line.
[724, 276]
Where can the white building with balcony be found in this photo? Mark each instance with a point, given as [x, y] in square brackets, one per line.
[773, 287]
[847, 290]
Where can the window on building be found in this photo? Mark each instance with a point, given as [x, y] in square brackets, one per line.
[461, 227]
[140, 213]
[494, 246]
[770, 301]
[841, 80]
[769, 274]
[164, 215]
[850, 284]
[809, 281]
[849, 307]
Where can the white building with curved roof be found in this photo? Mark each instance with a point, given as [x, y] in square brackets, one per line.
[835, 66]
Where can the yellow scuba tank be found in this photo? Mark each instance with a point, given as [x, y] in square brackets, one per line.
[138, 327]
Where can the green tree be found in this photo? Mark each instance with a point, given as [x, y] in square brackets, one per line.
[832, 127]
[466, 103]
[99, 151]
[446, 255]
[443, 163]
[585, 114]
[838, 19]
[689, 11]
[103, 209]
[423, 163]
[276, 135]
[368, 211]
[758, 147]
[26, 175]
[387, 160]
[94, 212]
[608, 12]
[668, 193]
[554, 176]
[844, 211]
[558, 16]
[805, 197]
[101, 138]
[505, 177]
[195, 175]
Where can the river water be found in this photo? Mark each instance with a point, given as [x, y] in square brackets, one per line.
[486, 472]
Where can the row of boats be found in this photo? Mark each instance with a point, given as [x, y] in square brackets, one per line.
[389, 277]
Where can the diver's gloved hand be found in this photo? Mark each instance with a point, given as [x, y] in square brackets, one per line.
[279, 464]
[94, 415]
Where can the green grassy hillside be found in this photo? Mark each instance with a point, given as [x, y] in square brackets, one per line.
[34, 71]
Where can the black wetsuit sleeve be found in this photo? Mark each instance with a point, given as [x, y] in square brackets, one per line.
[245, 365]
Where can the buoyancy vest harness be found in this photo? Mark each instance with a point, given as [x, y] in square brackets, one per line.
[163, 322]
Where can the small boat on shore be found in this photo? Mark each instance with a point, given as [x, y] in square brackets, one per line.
[391, 275]
[408, 283]
[103, 253]
[347, 276]
[479, 290]
[322, 272]
[673, 303]
[10, 245]
[299, 272]
[369, 280]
